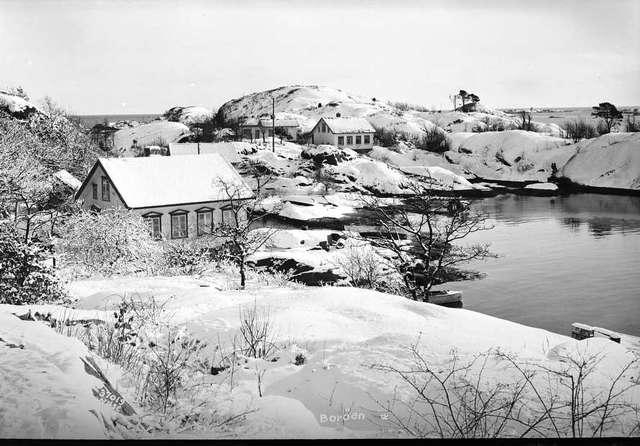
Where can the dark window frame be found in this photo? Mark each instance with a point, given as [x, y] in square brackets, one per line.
[151, 216]
[180, 213]
[341, 140]
[94, 190]
[367, 139]
[349, 140]
[106, 191]
[204, 210]
[358, 140]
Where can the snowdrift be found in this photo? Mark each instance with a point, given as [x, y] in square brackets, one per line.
[45, 390]
[148, 134]
[609, 161]
[514, 155]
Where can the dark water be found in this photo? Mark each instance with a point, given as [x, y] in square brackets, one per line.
[563, 259]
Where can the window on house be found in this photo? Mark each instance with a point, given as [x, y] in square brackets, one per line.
[106, 189]
[341, 140]
[246, 133]
[205, 221]
[270, 133]
[257, 134]
[179, 224]
[358, 139]
[324, 128]
[349, 140]
[229, 218]
[154, 222]
[94, 208]
[94, 189]
[366, 139]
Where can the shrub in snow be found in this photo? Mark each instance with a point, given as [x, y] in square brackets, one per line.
[24, 277]
[433, 140]
[113, 241]
[386, 138]
[579, 129]
[191, 256]
[362, 266]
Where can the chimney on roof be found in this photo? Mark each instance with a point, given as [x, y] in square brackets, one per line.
[338, 115]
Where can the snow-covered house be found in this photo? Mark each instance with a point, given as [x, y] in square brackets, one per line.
[354, 133]
[179, 196]
[254, 128]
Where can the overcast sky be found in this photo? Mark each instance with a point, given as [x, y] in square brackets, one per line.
[146, 56]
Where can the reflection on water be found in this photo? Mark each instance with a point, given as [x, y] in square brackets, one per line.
[562, 259]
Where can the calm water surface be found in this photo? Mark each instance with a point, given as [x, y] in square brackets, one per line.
[562, 259]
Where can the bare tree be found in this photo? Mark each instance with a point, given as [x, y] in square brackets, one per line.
[421, 236]
[242, 214]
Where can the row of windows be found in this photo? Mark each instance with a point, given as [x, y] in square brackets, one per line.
[106, 190]
[180, 222]
[248, 134]
[367, 140]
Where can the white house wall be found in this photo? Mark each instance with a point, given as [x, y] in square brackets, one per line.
[87, 202]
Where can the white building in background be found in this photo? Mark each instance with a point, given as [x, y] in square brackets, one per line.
[262, 128]
[178, 196]
[353, 133]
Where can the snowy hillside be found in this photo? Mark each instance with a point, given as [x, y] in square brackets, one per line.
[189, 115]
[16, 106]
[609, 161]
[164, 132]
[343, 335]
[307, 104]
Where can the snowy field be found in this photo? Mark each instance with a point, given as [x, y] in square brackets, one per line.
[342, 333]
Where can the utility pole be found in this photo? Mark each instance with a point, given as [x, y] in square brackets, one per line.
[273, 124]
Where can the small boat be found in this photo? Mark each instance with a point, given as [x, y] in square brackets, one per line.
[445, 297]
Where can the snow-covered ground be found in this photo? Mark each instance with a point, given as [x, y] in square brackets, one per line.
[609, 161]
[155, 132]
[45, 391]
[341, 332]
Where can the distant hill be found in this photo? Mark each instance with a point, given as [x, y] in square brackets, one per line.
[307, 103]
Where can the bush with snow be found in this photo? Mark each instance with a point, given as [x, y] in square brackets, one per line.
[24, 276]
[113, 241]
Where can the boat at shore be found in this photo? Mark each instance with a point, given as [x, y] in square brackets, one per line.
[445, 297]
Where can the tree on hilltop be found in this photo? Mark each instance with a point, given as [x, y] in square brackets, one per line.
[609, 114]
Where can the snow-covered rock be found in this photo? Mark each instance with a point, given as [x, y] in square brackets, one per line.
[16, 105]
[514, 155]
[327, 154]
[189, 115]
[155, 132]
[609, 161]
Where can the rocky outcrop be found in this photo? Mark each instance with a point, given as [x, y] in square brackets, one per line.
[608, 163]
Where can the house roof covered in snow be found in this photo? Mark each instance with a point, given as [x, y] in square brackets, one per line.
[171, 180]
[225, 149]
[68, 179]
[348, 125]
[266, 122]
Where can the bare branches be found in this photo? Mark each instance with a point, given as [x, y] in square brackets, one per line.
[242, 215]
[423, 232]
[568, 397]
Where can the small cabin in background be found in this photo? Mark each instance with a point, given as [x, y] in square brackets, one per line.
[262, 128]
[353, 133]
[103, 136]
[178, 196]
